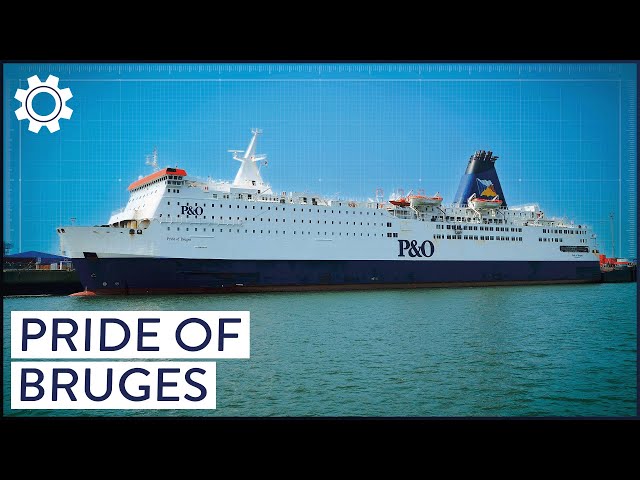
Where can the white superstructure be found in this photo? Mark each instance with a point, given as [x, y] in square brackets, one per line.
[172, 215]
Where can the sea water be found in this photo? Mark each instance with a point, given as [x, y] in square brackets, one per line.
[557, 350]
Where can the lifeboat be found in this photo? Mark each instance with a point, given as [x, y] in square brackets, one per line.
[421, 201]
[398, 199]
[400, 202]
[485, 204]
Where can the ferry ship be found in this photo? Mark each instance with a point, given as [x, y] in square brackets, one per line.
[180, 234]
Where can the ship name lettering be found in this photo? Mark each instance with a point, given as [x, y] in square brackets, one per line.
[412, 248]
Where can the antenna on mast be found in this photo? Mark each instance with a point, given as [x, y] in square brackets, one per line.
[152, 160]
[250, 153]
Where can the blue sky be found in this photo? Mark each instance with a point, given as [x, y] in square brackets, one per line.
[563, 132]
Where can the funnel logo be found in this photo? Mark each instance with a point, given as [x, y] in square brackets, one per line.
[485, 188]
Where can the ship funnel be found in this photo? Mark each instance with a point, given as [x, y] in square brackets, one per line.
[480, 178]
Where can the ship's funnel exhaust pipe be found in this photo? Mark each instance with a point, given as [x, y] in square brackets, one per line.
[480, 178]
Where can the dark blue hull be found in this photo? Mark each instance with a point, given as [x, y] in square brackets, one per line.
[175, 275]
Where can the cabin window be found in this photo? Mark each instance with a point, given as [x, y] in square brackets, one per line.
[168, 228]
[168, 203]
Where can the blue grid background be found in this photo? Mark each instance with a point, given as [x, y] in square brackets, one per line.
[565, 135]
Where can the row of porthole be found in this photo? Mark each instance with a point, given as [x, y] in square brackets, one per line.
[253, 219]
[253, 207]
[283, 232]
[475, 237]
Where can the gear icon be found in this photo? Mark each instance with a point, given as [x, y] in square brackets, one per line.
[60, 97]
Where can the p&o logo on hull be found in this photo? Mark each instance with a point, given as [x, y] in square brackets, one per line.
[192, 210]
[425, 249]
